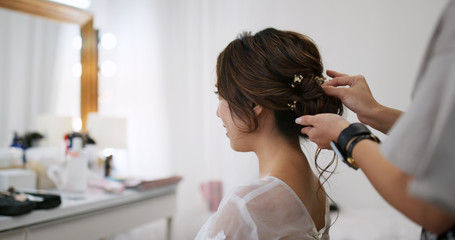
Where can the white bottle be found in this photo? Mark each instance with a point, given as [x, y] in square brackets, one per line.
[76, 171]
[16, 152]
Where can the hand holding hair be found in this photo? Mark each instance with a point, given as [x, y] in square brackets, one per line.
[356, 95]
[322, 128]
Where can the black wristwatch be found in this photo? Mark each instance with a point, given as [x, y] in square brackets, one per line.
[354, 134]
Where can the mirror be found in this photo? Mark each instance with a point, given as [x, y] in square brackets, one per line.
[63, 14]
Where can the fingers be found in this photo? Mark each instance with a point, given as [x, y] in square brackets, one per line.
[335, 74]
[339, 81]
[306, 120]
[334, 91]
[309, 131]
[306, 131]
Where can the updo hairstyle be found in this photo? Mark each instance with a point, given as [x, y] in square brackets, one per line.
[262, 68]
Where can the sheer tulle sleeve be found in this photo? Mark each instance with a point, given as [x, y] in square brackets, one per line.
[268, 209]
[232, 221]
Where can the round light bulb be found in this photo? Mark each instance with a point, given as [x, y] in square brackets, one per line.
[77, 124]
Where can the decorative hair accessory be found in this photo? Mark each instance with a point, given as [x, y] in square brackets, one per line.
[297, 80]
[320, 80]
[292, 105]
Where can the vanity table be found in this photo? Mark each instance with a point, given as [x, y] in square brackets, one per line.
[98, 216]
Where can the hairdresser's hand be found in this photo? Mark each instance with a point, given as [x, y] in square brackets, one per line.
[322, 128]
[357, 97]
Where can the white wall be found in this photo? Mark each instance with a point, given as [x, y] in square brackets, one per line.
[167, 52]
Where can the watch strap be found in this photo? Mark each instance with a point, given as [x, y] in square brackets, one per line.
[351, 135]
[354, 130]
[349, 157]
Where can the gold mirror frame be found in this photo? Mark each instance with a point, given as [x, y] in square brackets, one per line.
[89, 51]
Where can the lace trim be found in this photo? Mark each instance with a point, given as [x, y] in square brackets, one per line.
[219, 236]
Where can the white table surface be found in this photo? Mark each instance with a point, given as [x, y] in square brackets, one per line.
[98, 215]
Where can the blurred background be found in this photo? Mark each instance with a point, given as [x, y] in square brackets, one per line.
[157, 70]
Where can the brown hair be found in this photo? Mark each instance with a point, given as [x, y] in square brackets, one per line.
[260, 69]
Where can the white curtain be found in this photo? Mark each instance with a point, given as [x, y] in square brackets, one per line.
[36, 59]
[166, 57]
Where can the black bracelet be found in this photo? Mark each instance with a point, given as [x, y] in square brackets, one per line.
[349, 157]
[354, 130]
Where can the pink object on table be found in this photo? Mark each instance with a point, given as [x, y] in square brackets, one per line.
[213, 193]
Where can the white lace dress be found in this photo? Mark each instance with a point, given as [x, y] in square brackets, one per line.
[265, 209]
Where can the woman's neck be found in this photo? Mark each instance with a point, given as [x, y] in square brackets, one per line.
[276, 154]
[278, 157]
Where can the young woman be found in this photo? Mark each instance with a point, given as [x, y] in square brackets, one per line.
[264, 82]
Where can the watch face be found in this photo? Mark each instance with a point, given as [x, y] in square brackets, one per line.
[336, 149]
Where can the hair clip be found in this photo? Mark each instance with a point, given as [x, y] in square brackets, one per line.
[319, 79]
[292, 105]
[297, 80]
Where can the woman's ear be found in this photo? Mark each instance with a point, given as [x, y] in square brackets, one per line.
[258, 109]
